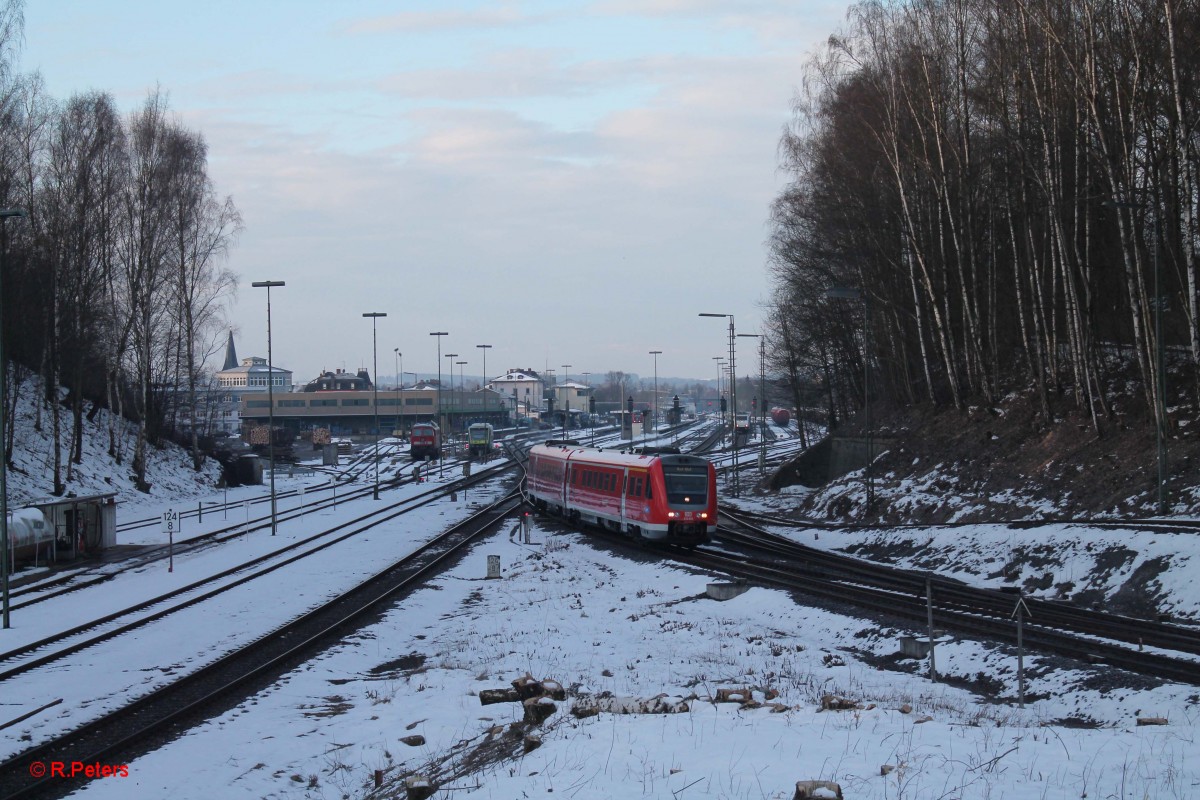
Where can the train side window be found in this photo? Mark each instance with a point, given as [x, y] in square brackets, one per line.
[649, 490]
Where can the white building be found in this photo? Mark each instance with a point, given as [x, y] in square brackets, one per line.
[525, 387]
[234, 380]
[572, 396]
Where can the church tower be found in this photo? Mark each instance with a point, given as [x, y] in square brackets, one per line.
[230, 353]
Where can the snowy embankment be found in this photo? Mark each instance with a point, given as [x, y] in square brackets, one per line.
[31, 476]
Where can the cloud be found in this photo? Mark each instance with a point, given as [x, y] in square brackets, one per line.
[484, 17]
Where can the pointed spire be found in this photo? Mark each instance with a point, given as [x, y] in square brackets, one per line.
[230, 353]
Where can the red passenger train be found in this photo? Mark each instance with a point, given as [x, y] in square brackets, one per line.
[661, 497]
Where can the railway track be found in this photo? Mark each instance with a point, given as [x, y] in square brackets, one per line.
[1089, 635]
[1146, 524]
[117, 735]
[64, 643]
[341, 477]
[56, 586]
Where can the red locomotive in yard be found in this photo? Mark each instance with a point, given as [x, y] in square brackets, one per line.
[424, 441]
[781, 417]
[659, 496]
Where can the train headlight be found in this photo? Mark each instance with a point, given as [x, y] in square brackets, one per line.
[671, 515]
[703, 515]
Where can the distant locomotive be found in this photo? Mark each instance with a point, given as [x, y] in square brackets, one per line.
[781, 417]
[479, 440]
[662, 497]
[425, 441]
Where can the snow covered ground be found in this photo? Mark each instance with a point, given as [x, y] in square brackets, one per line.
[632, 625]
[636, 627]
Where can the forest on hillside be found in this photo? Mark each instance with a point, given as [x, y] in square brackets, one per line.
[994, 196]
[114, 244]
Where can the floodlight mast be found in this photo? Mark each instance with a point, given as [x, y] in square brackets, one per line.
[732, 397]
[268, 285]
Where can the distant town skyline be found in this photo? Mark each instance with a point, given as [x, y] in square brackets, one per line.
[571, 183]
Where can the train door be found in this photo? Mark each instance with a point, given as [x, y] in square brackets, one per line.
[624, 489]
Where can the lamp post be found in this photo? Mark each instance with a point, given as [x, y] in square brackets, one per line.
[462, 387]
[732, 397]
[5, 214]
[656, 354]
[485, 348]
[375, 315]
[268, 285]
[399, 385]
[438, 414]
[850, 293]
[1160, 409]
[566, 397]
[450, 414]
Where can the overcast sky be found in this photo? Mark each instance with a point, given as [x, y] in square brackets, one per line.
[570, 182]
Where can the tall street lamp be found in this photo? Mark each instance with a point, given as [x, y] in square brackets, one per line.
[450, 414]
[656, 354]
[850, 293]
[566, 397]
[462, 387]
[5, 214]
[485, 348]
[1160, 409]
[373, 316]
[732, 398]
[438, 415]
[399, 385]
[268, 285]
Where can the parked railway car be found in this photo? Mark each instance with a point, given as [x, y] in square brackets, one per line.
[425, 441]
[30, 536]
[661, 497]
[479, 440]
[781, 417]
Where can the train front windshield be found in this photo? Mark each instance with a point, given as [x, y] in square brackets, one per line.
[687, 484]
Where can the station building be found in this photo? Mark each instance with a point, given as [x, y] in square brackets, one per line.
[236, 380]
[525, 388]
[352, 411]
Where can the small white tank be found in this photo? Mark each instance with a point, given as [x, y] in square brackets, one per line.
[27, 530]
